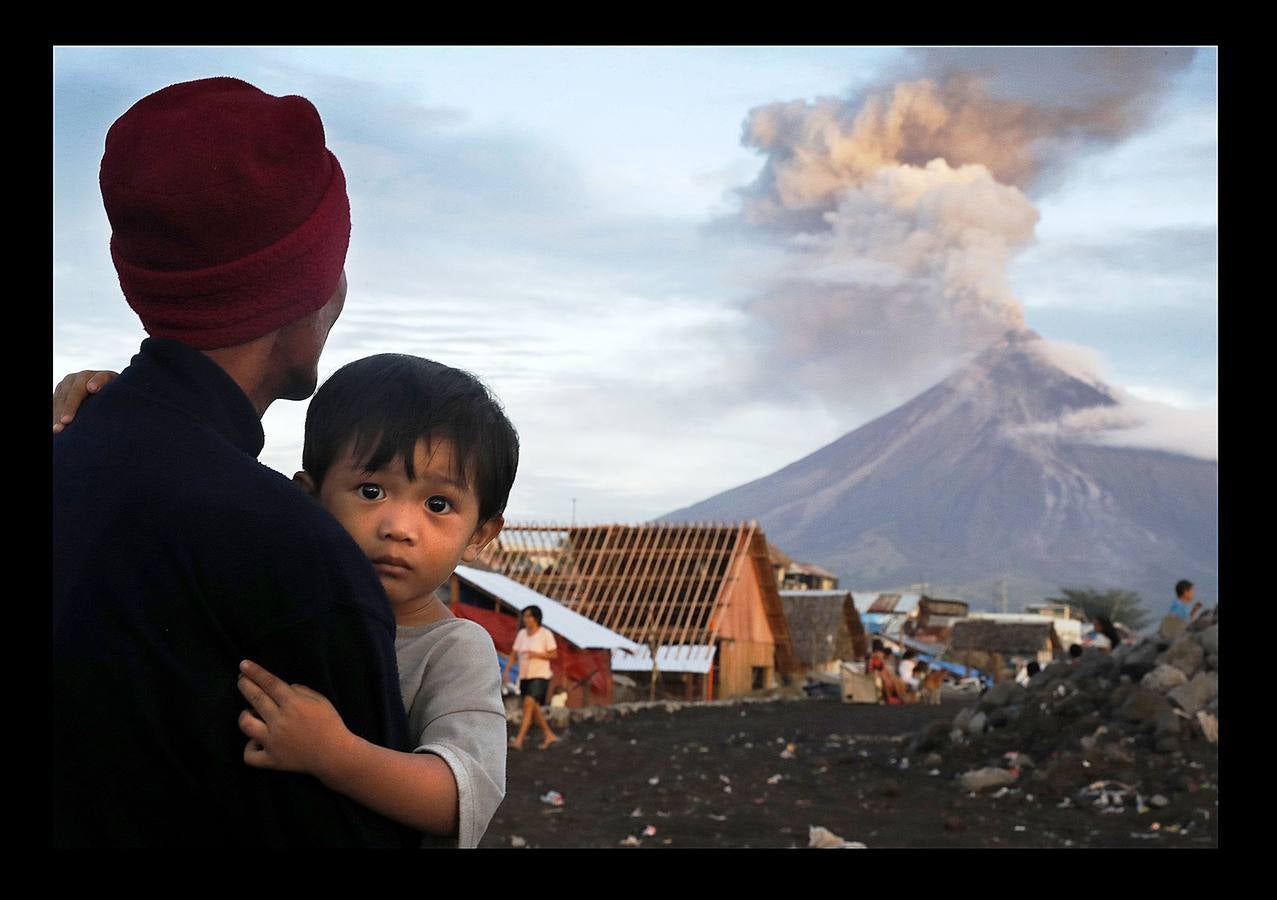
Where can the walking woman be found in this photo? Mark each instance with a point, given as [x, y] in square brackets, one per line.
[535, 647]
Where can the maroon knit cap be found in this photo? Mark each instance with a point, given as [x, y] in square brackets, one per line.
[229, 216]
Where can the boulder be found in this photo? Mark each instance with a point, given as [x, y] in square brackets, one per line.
[1210, 640]
[1143, 706]
[1163, 679]
[975, 725]
[1166, 723]
[1001, 694]
[1171, 628]
[1141, 660]
[1185, 654]
[1095, 663]
[1120, 693]
[1212, 662]
[1052, 673]
[1193, 696]
[983, 779]
[1003, 716]
[931, 737]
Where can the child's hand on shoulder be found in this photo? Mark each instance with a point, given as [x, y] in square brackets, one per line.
[296, 729]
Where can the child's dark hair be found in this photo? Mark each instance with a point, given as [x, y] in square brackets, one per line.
[381, 406]
[1182, 586]
[534, 612]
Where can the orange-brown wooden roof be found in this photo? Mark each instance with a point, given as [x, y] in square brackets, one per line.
[656, 582]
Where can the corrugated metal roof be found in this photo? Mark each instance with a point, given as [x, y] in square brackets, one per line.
[820, 593]
[679, 658]
[558, 618]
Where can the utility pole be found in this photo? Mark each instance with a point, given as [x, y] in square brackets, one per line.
[573, 512]
[1004, 595]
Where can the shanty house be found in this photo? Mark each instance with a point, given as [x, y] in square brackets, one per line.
[825, 629]
[885, 614]
[584, 665]
[994, 646]
[1068, 630]
[935, 617]
[702, 595]
[798, 576]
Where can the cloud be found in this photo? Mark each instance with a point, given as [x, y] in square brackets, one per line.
[901, 208]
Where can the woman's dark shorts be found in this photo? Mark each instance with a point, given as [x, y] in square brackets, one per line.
[536, 688]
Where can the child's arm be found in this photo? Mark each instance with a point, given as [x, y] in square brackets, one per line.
[297, 730]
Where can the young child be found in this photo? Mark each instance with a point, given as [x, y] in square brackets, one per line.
[416, 461]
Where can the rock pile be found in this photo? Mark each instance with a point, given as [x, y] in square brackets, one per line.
[1144, 714]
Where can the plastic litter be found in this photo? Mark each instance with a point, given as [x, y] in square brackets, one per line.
[637, 813]
[630, 841]
[1021, 828]
[988, 777]
[649, 831]
[1106, 794]
[775, 779]
[516, 842]
[934, 772]
[724, 779]
[788, 752]
[718, 818]
[553, 798]
[654, 780]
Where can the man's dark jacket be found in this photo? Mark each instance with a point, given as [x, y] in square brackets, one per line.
[176, 554]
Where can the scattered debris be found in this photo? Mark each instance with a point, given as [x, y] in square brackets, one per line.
[553, 798]
[775, 779]
[517, 842]
[630, 841]
[649, 831]
[989, 777]
[824, 839]
[788, 752]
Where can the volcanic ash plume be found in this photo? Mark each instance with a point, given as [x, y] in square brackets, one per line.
[902, 207]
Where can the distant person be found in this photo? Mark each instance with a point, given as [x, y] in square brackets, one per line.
[1106, 635]
[1184, 606]
[1027, 672]
[535, 647]
[176, 554]
[907, 670]
[893, 690]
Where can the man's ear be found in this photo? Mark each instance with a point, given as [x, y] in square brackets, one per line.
[306, 483]
[482, 535]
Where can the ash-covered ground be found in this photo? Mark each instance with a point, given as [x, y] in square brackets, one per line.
[762, 773]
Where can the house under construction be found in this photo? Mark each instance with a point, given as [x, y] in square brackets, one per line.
[702, 596]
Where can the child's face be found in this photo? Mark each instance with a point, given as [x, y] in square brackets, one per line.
[414, 532]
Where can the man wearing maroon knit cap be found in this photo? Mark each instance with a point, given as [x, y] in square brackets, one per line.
[177, 554]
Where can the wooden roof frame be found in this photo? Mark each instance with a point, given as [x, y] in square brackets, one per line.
[661, 583]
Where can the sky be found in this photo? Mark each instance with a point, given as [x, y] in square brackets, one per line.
[683, 268]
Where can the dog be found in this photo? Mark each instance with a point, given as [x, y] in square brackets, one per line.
[930, 688]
